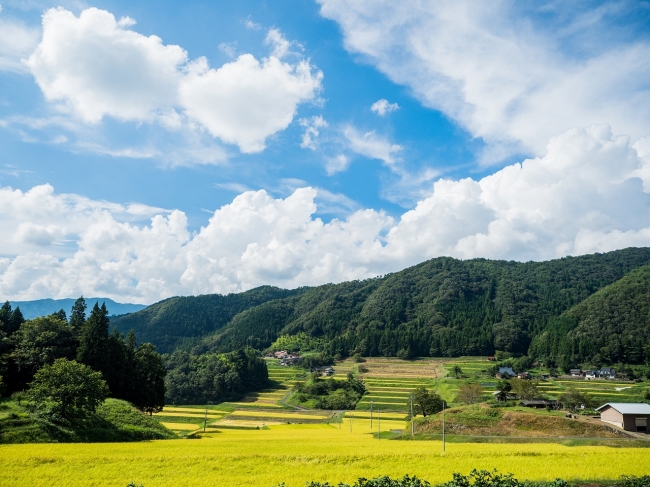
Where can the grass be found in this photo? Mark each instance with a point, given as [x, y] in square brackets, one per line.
[295, 454]
[114, 420]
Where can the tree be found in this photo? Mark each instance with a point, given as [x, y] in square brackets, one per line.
[2, 386]
[504, 386]
[66, 391]
[525, 389]
[470, 393]
[149, 379]
[426, 402]
[574, 399]
[39, 342]
[78, 315]
[456, 371]
[93, 343]
[10, 320]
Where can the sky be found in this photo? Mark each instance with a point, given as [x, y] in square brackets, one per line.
[154, 149]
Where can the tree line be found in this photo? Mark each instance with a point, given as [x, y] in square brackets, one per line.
[131, 372]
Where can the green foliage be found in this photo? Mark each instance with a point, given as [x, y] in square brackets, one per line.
[632, 481]
[39, 342]
[442, 307]
[300, 342]
[456, 371]
[179, 321]
[385, 481]
[2, 386]
[331, 393]
[426, 402]
[573, 399]
[65, 391]
[470, 393]
[213, 378]
[525, 389]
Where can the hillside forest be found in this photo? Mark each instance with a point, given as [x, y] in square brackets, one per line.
[589, 309]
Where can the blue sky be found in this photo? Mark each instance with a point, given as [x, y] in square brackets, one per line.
[155, 149]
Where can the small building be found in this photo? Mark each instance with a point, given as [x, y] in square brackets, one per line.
[505, 373]
[607, 373]
[524, 375]
[492, 358]
[627, 415]
[575, 373]
[591, 374]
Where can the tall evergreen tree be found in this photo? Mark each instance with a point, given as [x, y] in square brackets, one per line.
[78, 315]
[93, 343]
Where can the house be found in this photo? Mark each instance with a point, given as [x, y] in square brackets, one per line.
[607, 373]
[523, 375]
[505, 373]
[590, 374]
[575, 373]
[627, 415]
[492, 358]
[539, 403]
[281, 354]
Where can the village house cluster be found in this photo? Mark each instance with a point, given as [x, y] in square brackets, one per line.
[287, 358]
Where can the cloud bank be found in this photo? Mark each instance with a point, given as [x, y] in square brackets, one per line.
[95, 66]
[590, 192]
[513, 74]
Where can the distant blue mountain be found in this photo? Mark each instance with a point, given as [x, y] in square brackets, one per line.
[44, 307]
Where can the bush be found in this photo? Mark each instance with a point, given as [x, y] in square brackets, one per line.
[631, 481]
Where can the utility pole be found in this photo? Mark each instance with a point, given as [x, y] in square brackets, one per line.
[205, 419]
[371, 414]
[443, 426]
[411, 397]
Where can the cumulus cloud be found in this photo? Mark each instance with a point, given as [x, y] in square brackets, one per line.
[588, 193]
[499, 69]
[95, 66]
[371, 145]
[245, 101]
[382, 107]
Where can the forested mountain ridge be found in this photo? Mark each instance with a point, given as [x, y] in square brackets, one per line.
[174, 321]
[442, 307]
[612, 325]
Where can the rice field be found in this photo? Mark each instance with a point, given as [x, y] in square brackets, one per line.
[295, 454]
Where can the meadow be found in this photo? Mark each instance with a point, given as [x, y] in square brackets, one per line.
[295, 454]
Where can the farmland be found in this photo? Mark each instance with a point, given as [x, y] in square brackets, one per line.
[261, 440]
[295, 454]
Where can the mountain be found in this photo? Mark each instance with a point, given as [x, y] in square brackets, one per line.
[183, 320]
[44, 307]
[612, 325]
[441, 307]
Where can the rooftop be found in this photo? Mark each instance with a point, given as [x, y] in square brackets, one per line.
[628, 407]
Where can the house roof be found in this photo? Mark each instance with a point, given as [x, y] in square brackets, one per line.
[506, 370]
[628, 407]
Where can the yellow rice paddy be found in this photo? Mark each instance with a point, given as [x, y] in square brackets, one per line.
[295, 454]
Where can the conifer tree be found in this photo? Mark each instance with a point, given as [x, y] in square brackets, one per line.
[93, 343]
[78, 315]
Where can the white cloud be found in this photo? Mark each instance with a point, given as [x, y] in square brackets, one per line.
[97, 67]
[312, 131]
[94, 66]
[335, 164]
[371, 145]
[16, 42]
[228, 48]
[278, 42]
[245, 101]
[382, 107]
[501, 73]
[584, 195]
